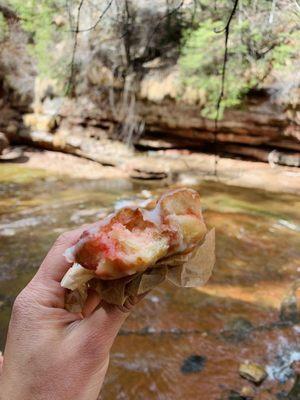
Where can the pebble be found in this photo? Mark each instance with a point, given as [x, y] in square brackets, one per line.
[248, 391]
[233, 395]
[253, 372]
[146, 194]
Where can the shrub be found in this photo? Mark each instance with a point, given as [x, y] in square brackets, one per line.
[257, 48]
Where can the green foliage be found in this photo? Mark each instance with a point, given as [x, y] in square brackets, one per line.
[201, 66]
[3, 28]
[256, 49]
[37, 19]
[287, 52]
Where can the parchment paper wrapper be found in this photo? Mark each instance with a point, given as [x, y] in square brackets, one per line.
[189, 270]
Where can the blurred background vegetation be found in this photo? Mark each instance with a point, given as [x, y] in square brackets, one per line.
[263, 42]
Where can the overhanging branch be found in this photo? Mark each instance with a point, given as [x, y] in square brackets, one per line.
[226, 30]
[70, 86]
[76, 31]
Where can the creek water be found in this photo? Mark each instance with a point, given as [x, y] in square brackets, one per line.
[177, 343]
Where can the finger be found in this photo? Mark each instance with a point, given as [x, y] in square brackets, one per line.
[55, 265]
[1, 362]
[45, 285]
[92, 302]
[102, 326]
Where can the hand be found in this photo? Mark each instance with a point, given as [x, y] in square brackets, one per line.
[51, 353]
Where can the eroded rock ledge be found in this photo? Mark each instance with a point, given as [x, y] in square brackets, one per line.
[85, 126]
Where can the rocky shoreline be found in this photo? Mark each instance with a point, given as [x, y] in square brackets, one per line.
[165, 167]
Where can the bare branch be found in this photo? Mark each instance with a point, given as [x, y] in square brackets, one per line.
[98, 19]
[70, 86]
[195, 6]
[226, 29]
[76, 31]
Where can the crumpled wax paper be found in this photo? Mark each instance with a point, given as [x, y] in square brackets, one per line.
[191, 270]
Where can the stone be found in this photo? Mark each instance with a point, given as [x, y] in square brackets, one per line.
[296, 367]
[290, 306]
[159, 85]
[60, 21]
[11, 153]
[51, 106]
[148, 175]
[294, 394]
[4, 143]
[193, 363]
[44, 88]
[234, 395]
[192, 95]
[252, 372]
[248, 391]
[99, 75]
[153, 64]
[237, 329]
[39, 122]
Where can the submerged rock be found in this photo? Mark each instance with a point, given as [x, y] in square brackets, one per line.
[237, 329]
[248, 392]
[148, 175]
[295, 391]
[252, 372]
[290, 306]
[193, 363]
[233, 395]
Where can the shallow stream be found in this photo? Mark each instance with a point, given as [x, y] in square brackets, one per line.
[177, 344]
